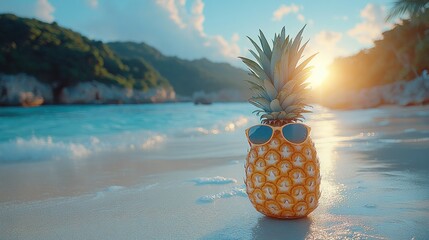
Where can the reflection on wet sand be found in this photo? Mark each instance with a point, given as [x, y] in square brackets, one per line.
[326, 151]
[270, 228]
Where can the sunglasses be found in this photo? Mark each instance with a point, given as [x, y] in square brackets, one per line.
[295, 133]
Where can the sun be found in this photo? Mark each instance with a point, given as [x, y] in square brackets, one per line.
[318, 75]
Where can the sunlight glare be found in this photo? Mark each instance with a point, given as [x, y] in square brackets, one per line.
[318, 75]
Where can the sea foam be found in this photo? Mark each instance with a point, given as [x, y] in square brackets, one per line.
[107, 190]
[213, 180]
[217, 128]
[409, 130]
[43, 148]
[410, 140]
[50, 148]
[235, 191]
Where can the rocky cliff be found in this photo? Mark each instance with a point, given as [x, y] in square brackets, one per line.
[25, 90]
[403, 93]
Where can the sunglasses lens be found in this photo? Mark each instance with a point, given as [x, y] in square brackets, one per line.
[295, 133]
[260, 134]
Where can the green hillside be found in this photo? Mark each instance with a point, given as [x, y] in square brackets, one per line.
[402, 54]
[185, 76]
[62, 57]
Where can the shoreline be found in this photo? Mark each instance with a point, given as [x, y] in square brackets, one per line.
[368, 191]
[125, 174]
[359, 201]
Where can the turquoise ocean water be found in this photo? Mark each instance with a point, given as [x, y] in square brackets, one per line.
[153, 130]
[78, 131]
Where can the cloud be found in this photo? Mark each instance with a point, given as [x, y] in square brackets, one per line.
[228, 49]
[198, 16]
[44, 11]
[371, 26]
[93, 3]
[181, 17]
[172, 7]
[327, 44]
[328, 38]
[192, 23]
[300, 17]
[284, 10]
[182, 35]
[40, 9]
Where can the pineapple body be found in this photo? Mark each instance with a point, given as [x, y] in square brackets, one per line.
[283, 179]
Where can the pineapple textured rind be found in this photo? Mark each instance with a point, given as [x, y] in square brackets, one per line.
[282, 179]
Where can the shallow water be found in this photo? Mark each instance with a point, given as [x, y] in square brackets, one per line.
[72, 132]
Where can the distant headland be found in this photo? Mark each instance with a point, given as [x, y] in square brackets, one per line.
[42, 63]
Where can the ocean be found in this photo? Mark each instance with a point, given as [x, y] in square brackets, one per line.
[79, 131]
[70, 132]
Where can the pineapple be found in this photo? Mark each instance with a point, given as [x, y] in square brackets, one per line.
[282, 178]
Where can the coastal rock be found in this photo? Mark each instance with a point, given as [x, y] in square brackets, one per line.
[201, 97]
[223, 95]
[25, 90]
[404, 93]
[99, 93]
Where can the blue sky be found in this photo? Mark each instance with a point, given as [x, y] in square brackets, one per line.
[216, 29]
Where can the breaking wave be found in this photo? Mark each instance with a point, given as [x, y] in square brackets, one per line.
[50, 148]
[222, 127]
[42, 148]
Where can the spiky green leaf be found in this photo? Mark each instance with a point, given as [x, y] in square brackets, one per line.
[303, 64]
[275, 106]
[262, 59]
[267, 116]
[271, 90]
[260, 103]
[264, 43]
[279, 76]
[255, 68]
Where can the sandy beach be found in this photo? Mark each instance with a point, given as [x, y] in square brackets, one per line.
[214, 120]
[374, 166]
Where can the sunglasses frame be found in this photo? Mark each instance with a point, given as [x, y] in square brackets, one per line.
[274, 130]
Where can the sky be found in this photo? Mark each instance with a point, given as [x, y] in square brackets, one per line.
[218, 29]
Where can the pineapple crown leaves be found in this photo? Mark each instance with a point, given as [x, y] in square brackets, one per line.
[278, 77]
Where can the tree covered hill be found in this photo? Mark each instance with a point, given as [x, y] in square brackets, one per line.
[62, 57]
[186, 76]
[402, 54]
